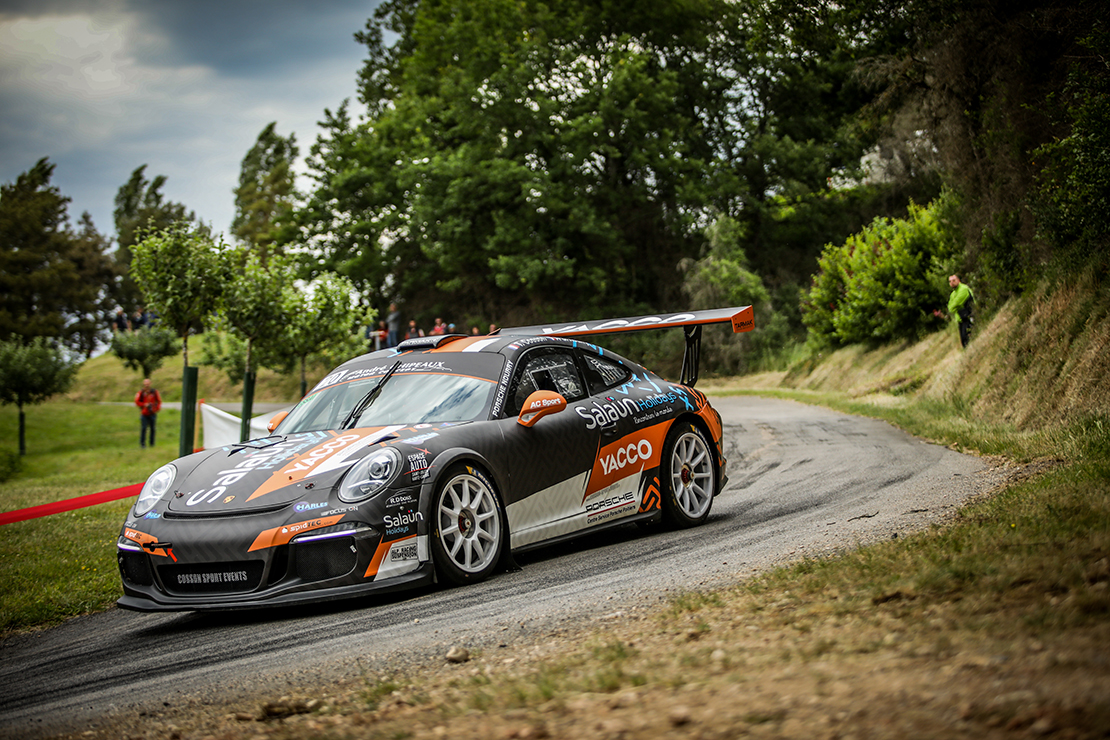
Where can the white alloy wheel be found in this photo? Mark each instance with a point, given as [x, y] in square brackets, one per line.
[690, 477]
[468, 529]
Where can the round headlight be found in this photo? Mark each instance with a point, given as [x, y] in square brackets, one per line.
[155, 487]
[370, 475]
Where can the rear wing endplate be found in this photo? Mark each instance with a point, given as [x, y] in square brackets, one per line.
[741, 318]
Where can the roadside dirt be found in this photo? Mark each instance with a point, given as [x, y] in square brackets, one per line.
[733, 665]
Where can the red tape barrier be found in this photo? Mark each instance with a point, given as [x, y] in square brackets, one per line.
[34, 512]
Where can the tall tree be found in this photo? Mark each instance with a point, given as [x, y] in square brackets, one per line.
[520, 161]
[52, 282]
[183, 273]
[141, 208]
[266, 191]
[252, 308]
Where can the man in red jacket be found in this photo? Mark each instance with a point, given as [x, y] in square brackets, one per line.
[149, 403]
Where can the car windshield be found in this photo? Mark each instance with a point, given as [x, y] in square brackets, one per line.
[411, 395]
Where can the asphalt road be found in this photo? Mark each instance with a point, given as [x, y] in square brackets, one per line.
[804, 481]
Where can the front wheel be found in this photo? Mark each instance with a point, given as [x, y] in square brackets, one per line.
[689, 476]
[468, 534]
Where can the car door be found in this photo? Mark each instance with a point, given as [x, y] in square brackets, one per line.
[549, 463]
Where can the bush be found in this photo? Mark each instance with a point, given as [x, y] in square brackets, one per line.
[884, 283]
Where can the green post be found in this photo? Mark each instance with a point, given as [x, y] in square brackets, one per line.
[188, 410]
[248, 407]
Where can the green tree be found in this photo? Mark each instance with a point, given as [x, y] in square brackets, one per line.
[53, 282]
[266, 193]
[141, 209]
[252, 309]
[523, 160]
[30, 373]
[884, 283]
[183, 273]
[145, 350]
[323, 317]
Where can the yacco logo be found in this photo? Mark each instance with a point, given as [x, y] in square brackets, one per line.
[331, 455]
[618, 324]
[626, 455]
[306, 506]
[629, 456]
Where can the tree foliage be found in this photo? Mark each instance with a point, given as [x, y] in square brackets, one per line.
[141, 208]
[522, 161]
[145, 349]
[183, 273]
[30, 373]
[266, 193]
[323, 319]
[53, 282]
[884, 283]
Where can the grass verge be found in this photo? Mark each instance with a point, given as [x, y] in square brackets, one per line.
[63, 565]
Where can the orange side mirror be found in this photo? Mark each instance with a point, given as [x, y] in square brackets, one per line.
[539, 405]
[278, 418]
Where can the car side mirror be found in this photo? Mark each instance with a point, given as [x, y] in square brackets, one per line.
[539, 405]
[278, 418]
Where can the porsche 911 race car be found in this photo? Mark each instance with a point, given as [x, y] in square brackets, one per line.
[431, 461]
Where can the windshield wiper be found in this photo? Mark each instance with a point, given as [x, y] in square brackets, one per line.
[368, 399]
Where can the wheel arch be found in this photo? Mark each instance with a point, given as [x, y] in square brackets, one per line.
[443, 462]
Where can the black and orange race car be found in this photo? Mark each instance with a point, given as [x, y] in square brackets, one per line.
[431, 461]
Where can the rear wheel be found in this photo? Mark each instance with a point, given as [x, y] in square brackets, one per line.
[468, 534]
[689, 476]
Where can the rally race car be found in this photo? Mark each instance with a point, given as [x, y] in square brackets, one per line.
[431, 461]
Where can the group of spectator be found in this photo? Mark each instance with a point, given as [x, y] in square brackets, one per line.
[389, 332]
[122, 322]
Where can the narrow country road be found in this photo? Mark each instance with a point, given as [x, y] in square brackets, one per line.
[804, 481]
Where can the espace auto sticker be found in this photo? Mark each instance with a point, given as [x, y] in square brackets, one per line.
[330, 455]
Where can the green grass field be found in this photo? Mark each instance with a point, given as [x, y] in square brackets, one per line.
[62, 565]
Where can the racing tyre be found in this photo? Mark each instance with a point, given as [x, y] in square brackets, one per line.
[688, 476]
[468, 533]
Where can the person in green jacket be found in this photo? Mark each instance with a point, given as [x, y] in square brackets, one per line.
[960, 304]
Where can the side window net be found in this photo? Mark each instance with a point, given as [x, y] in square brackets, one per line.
[602, 374]
[549, 371]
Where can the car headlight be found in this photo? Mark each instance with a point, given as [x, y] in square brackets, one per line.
[155, 487]
[370, 475]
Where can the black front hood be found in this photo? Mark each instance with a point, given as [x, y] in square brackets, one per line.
[269, 473]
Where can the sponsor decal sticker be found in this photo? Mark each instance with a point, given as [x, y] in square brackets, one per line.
[309, 506]
[282, 535]
[227, 576]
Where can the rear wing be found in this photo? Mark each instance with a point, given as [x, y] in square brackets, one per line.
[741, 318]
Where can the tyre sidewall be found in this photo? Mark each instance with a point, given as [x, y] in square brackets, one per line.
[673, 513]
[446, 568]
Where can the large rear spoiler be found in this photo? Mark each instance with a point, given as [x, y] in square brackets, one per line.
[741, 319]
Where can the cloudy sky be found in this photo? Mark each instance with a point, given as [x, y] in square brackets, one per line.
[183, 86]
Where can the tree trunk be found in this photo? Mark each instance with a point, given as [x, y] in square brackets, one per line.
[22, 431]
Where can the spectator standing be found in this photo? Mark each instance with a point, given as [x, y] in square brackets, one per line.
[960, 304]
[120, 322]
[413, 332]
[149, 402]
[439, 327]
[393, 326]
